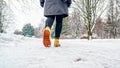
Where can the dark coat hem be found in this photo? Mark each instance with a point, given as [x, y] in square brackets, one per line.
[64, 15]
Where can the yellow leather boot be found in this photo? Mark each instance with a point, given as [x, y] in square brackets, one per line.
[47, 37]
[56, 43]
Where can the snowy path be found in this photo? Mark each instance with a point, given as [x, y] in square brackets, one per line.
[21, 52]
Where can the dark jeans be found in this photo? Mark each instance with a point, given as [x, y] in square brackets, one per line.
[58, 27]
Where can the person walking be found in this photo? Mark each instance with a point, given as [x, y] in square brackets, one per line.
[54, 9]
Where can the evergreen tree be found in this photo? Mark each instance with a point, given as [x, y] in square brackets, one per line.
[65, 27]
[28, 30]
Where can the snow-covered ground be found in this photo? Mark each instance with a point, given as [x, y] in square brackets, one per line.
[23, 52]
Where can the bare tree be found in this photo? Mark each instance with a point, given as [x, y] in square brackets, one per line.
[2, 5]
[90, 11]
[112, 26]
[76, 25]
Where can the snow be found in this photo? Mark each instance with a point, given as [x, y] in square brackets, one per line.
[22, 52]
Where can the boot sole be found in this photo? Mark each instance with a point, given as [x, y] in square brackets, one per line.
[56, 45]
[46, 38]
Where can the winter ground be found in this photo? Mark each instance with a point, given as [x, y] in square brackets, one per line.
[23, 52]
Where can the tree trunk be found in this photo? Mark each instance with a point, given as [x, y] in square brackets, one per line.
[89, 16]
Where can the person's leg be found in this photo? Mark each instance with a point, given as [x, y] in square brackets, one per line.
[58, 29]
[49, 21]
[47, 31]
